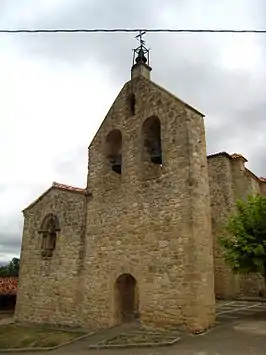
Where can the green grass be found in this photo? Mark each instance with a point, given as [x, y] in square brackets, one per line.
[12, 336]
[139, 338]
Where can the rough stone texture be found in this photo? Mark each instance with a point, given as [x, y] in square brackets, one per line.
[230, 180]
[49, 289]
[152, 222]
[156, 223]
[222, 202]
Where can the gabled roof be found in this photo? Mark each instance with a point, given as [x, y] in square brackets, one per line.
[8, 286]
[68, 187]
[230, 156]
[147, 82]
[237, 156]
[61, 187]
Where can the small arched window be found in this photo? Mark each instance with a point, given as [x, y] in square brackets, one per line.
[151, 131]
[49, 229]
[114, 150]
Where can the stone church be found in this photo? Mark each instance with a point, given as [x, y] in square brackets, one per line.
[140, 241]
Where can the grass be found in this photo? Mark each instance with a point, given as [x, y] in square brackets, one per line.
[12, 336]
[140, 338]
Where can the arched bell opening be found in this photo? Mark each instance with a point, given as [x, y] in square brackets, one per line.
[151, 131]
[114, 150]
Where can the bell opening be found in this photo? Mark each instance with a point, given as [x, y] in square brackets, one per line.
[116, 162]
[117, 169]
[157, 159]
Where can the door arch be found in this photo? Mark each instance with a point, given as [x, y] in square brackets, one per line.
[126, 299]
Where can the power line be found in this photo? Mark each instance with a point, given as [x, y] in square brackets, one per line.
[124, 30]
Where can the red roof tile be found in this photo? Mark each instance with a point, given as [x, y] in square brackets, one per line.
[8, 285]
[68, 187]
[58, 186]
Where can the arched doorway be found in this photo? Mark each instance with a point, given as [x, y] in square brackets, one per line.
[126, 298]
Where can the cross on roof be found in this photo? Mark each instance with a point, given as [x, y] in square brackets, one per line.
[139, 37]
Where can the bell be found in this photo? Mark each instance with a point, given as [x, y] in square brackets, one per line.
[116, 163]
[156, 154]
[141, 57]
[156, 159]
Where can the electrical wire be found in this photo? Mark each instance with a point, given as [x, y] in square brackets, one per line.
[124, 30]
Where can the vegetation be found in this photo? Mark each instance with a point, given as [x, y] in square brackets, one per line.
[244, 238]
[11, 269]
[12, 336]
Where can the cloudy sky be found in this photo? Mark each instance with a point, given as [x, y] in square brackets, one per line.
[56, 88]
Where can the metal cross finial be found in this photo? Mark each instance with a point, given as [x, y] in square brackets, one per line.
[139, 37]
[141, 54]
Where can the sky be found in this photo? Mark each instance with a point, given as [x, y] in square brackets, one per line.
[55, 89]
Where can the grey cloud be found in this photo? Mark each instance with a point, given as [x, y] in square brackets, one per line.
[188, 65]
[9, 245]
[10, 241]
[73, 166]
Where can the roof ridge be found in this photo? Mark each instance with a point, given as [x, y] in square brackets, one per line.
[58, 186]
[67, 187]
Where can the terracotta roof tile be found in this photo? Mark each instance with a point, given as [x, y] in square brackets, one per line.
[62, 187]
[68, 187]
[8, 285]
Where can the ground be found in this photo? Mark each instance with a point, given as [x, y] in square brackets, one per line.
[240, 330]
[33, 337]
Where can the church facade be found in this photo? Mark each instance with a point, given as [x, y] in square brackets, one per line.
[140, 241]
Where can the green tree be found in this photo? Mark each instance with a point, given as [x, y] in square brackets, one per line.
[4, 272]
[11, 269]
[14, 267]
[244, 237]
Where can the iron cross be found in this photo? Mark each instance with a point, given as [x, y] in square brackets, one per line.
[139, 37]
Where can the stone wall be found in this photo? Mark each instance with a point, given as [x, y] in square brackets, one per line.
[158, 223]
[151, 222]
[222, 203]
[230, 180]
[263, 187]
[49, 288]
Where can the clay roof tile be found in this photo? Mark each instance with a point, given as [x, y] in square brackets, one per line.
[8, 285]
[59, 186]
[68, 187]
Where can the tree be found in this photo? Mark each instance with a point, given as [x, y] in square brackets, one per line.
[14, 267]
[4, 272]
[11, 269]
[244, 238]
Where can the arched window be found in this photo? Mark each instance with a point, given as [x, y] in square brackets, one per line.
[114, 150]
[49, 229]
[151, 131]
